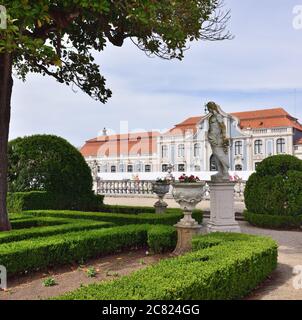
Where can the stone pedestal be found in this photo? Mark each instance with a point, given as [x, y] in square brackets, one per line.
[184, 237]
[222, 207]
[160, 207]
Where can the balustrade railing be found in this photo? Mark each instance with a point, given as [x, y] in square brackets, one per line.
[144, 188]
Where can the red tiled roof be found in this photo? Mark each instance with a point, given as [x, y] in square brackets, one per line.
[268, 118]
[121, 144]
[189, 124]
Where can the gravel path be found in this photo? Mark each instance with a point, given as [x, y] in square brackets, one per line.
[280, 286]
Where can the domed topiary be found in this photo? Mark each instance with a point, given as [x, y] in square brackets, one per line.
[279, 165]
[47, 163]
[276, 187]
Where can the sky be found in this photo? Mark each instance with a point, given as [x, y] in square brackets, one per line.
[260, 68]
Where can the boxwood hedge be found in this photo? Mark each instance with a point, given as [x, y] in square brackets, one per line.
[56, 227]
[35, 253]
[170, 218]
[222, 266]
[273, 221]
[42, 200]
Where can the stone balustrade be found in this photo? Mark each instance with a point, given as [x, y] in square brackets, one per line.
[144, 188]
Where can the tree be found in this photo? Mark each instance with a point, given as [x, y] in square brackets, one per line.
[57, 38]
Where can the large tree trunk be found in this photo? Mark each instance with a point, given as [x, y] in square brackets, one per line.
[6, 85]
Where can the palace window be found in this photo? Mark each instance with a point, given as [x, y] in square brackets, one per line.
[113, 168]
[238, 167]
[130, 168]
[280, 146]
[213, 165]
[121, 166]
[238, 148]
[164, 151]
[181, 168]
[258, 146]
[147, 168]
[138, 167]
[196, 150]
[99, 169]
[164, 168]
[181, 150]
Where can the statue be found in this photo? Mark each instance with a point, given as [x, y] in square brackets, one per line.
[94, 170]
[219, 142]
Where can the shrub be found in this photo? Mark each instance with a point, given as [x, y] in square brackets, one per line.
[273, 222]
[279, 165]
[276, 187]
[223, 266]
[40, 200]
[60, 249]
[62, 227]
[47, 163]
[119, 219]
[162, 238]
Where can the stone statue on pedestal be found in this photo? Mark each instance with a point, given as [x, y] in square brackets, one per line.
[219, 142]
[222, 217]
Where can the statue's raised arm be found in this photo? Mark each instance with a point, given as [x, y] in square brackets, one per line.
[218, 141]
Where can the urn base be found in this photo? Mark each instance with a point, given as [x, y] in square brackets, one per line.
[184, 237]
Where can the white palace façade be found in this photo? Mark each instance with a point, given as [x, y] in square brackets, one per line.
[254, 135]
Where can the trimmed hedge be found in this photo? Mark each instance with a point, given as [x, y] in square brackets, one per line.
[61, 227]
[119, 219]
[127, 209]
[60, 249]
[41, 200]
[223, 266]
[273, 221]
[276, 187]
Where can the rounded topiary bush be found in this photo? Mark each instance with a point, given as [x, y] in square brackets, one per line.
[47, 163]
[275, 188]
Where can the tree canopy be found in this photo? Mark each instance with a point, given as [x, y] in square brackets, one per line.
[57, 38]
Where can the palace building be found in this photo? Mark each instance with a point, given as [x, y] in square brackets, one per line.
[254, 135]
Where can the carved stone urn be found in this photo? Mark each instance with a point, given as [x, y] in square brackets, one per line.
[187, 195]
[160, 189]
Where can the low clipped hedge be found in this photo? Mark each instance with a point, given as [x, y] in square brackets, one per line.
[170, 218]
[222, 266]
[60, 249]
[127, 209]
[273, 221]
[41, 200]
[55, 227]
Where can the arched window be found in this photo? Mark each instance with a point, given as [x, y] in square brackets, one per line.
[213, 165]
[238, 148]
[196, 150]
[181, 150]
[164, 151]
[130, 168]
[258, 146]
[280, 146]
[113, 168]
[238, 167]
